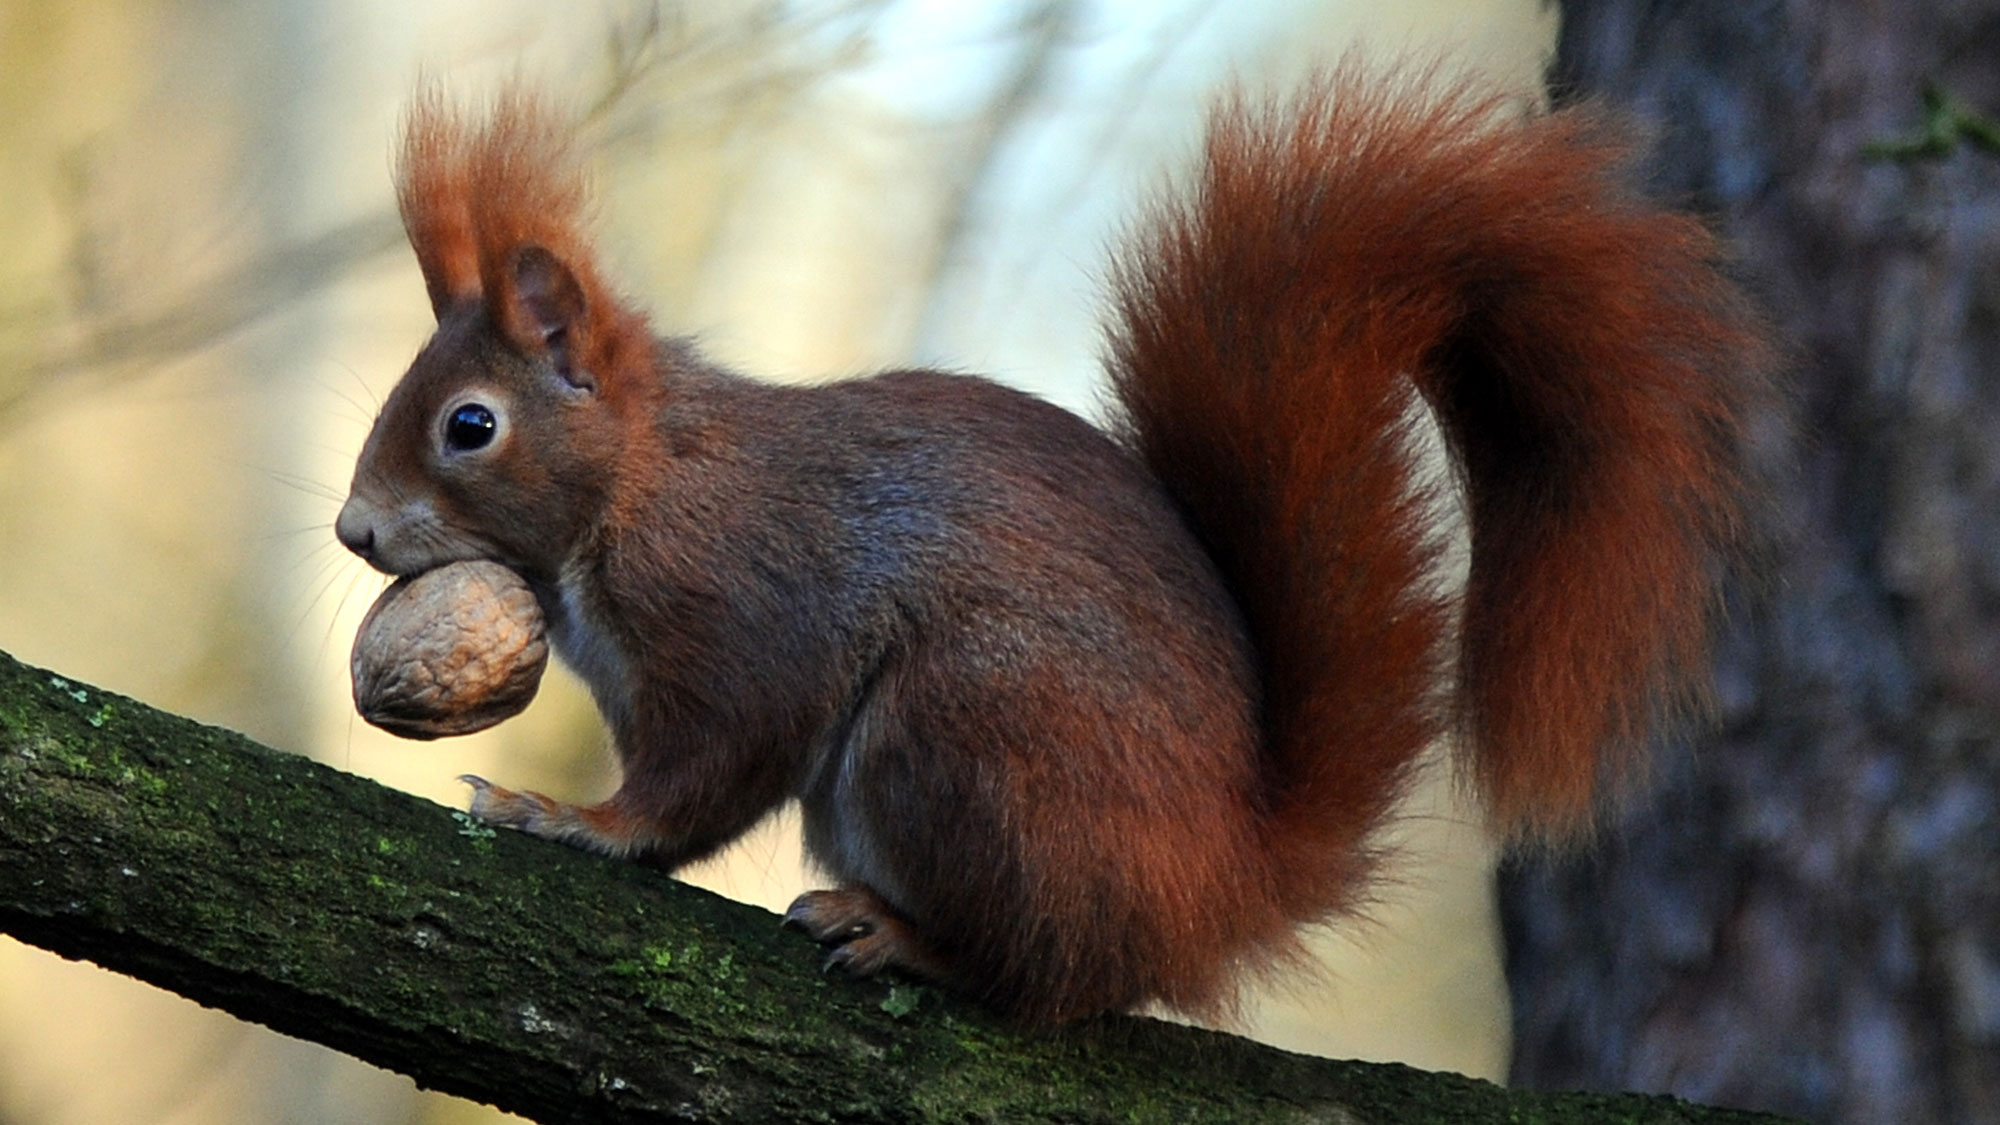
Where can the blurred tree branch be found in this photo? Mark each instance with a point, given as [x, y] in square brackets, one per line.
[123, 337]
[559, 985]
[73, 325]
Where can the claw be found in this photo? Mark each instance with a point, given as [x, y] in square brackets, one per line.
[830, 916]
[864, 934]
[489, 801]
[822, 918]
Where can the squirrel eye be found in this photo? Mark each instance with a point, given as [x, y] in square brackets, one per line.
[469, 427]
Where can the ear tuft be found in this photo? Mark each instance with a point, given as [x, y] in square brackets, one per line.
[495, 206]
[434, 192]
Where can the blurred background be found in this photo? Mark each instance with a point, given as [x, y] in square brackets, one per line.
[204, 293]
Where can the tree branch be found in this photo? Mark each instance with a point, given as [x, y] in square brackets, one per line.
[556, 984]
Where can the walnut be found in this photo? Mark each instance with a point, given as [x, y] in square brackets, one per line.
[450, 651]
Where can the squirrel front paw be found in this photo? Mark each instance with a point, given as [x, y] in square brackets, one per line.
[530, 812]
[602, 828]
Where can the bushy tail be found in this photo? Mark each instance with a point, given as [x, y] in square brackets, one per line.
[1370, 242]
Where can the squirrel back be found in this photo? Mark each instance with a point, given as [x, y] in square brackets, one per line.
[1078, 720]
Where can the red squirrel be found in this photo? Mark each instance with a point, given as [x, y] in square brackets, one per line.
[1083, 719]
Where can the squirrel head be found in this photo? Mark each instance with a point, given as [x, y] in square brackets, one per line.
[502, 440]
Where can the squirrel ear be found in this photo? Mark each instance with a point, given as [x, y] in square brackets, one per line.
[546, 311]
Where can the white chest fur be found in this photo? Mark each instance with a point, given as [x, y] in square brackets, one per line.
[579, 630]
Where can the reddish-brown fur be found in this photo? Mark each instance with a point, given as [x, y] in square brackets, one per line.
[1076, 722]
[1592, 372]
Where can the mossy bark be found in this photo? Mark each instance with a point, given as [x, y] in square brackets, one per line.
[559, 985]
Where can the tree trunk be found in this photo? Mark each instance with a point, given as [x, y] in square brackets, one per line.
[1807, 919]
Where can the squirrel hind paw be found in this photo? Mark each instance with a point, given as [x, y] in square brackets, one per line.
[864, 934]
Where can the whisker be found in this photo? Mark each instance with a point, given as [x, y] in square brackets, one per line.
[340, 607]
[360, 413]
[286, 534]
[364, 412]
[374, 403]
[325, 577]
[306, 485]
[344, 451]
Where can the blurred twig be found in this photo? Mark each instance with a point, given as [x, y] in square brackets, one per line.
[1949, 124]
[653, 59]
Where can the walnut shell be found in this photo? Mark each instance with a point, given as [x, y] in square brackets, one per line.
[450, 651]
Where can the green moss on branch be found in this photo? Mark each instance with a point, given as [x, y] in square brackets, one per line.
[558, 985]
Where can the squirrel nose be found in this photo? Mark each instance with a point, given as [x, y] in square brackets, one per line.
[355, 531]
